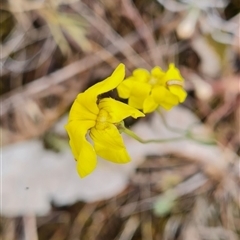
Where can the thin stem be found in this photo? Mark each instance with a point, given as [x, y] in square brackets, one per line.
[166, 124]
[187, 133]
[136, 137]
[209, 141]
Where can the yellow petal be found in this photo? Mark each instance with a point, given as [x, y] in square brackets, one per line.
[87, 160]
[82, 150]
[109, 144]
[179, 92]
[164, 97]
[117, 110]
[141, 89]
[124, 88]
[136, 91]
[141, 75]
[157, 72]
[149, 105]
[82, 110]
[109, 83]
[167, 106]
[136, 102]
[138, 95]
[173, 74]
[89, 98]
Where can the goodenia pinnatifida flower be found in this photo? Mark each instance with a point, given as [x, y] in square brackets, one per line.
[148, 90]
[98, 119]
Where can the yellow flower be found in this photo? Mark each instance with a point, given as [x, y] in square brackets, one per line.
[98, 119]
[147, 91]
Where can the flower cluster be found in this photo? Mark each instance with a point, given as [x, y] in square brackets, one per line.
[94, 123]
[148, 90]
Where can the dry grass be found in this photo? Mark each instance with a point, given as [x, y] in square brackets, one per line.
[48, 52]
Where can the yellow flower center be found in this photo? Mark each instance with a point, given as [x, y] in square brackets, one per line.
[101, 121]
[153, 81]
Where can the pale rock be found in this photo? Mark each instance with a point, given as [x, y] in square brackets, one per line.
[33, 177]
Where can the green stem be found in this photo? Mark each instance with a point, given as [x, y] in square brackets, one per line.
[136, 137]
[187, 133]
[166, 124]
[209, 141]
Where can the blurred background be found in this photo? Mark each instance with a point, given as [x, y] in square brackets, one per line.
[187, 190]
